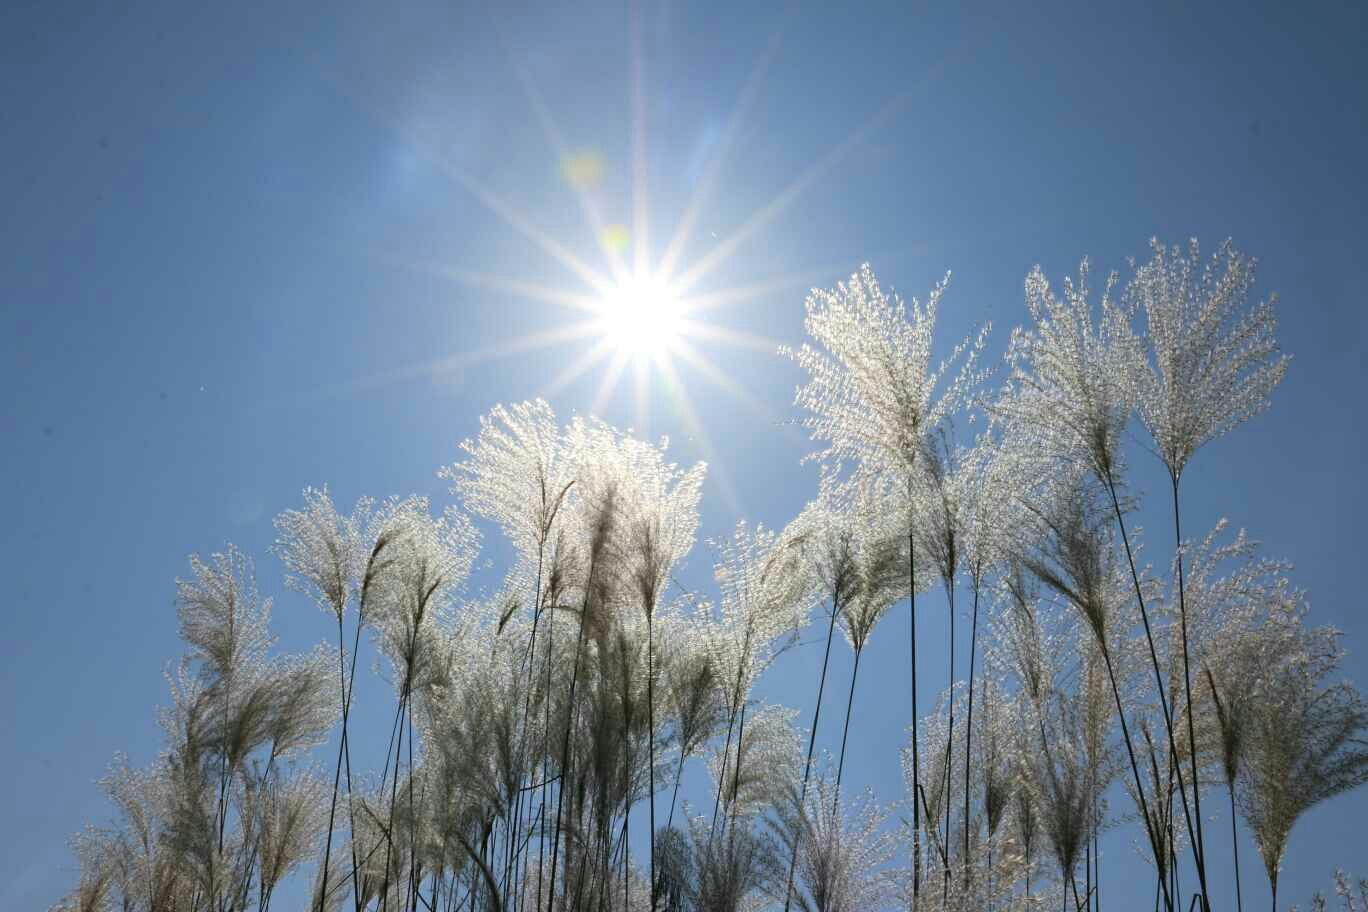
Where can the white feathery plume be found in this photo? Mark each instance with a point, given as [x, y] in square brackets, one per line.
[874, 398]
[1308, 742]
[844, 850]
[517, 473]
[221, 616]
[766, 596]
[1212, 367]
[768, 757]
[1074, 375]
[323, 551]
[1213, 362]
[292, 823]
[878, 558]
[429, 560]
[872, 391]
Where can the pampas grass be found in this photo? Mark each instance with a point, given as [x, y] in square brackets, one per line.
[532, 725]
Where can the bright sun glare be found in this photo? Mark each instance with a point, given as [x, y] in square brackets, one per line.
[642, 316]
[649, 313]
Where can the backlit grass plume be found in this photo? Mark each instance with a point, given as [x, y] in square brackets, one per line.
[874, 397]
[1307, 743]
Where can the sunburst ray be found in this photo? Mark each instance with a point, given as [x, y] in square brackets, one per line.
[702, 191]
[577, 368]
[593, 216]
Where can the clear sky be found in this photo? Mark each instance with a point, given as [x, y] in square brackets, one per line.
[253, 247]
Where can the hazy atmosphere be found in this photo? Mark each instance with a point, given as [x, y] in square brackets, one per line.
[586, 385]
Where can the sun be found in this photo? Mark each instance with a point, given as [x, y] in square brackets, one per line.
[646, 314]
[642, 316]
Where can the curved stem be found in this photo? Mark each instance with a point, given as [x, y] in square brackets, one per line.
[511, 861]
[969, 728]
[337, 775]
[346, 753]
[565, 756]
[736, 775]
[1097, 863]
[722, 776]
[1235, 844]
[735, 701]
[949, 745]
[1158, 674]
[546, 758]
[650, 735]
[840, 766]
[916, 757]
[413, 818]
[626, 844]
[1155, 845]
[812, 741]
[394, 793]
[1187, 683]
[679, 773]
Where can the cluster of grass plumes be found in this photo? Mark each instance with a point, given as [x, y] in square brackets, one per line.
[530, 727]
[1351, 895]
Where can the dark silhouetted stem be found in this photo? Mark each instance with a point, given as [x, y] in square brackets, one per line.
[546, 757]
[949, 745]
[812, 741]
[845, 732]
[736, 700]
[969, 727]
[511, 862]
[1235, 844]
[736, 775]
[679, 773]
[1187, 683]
[650, 735]
[1154, 839]
[916, 749]
[337, 776]
[394, 794]
[565, 754]
[1158, 673]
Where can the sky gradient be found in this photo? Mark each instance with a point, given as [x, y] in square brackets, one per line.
[253, 248]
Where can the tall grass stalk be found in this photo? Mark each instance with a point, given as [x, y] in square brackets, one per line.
[1158, 679]
[812, 741]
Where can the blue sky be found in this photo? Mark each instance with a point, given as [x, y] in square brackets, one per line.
[240, 244]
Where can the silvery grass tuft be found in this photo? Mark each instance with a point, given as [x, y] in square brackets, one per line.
[1075, 379]
[874, 397]
[1237, 622]
[877, 564]
[1075, 558]
[518, 473]
[765, 599]
[1307, 743]
[953, 485]
[828, 543]
[1073, 374]
[330, 557]
[1212, 361]
[1352, 897]
[992, 493]
[845, 849]
[1211, 366]
[223, 808]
